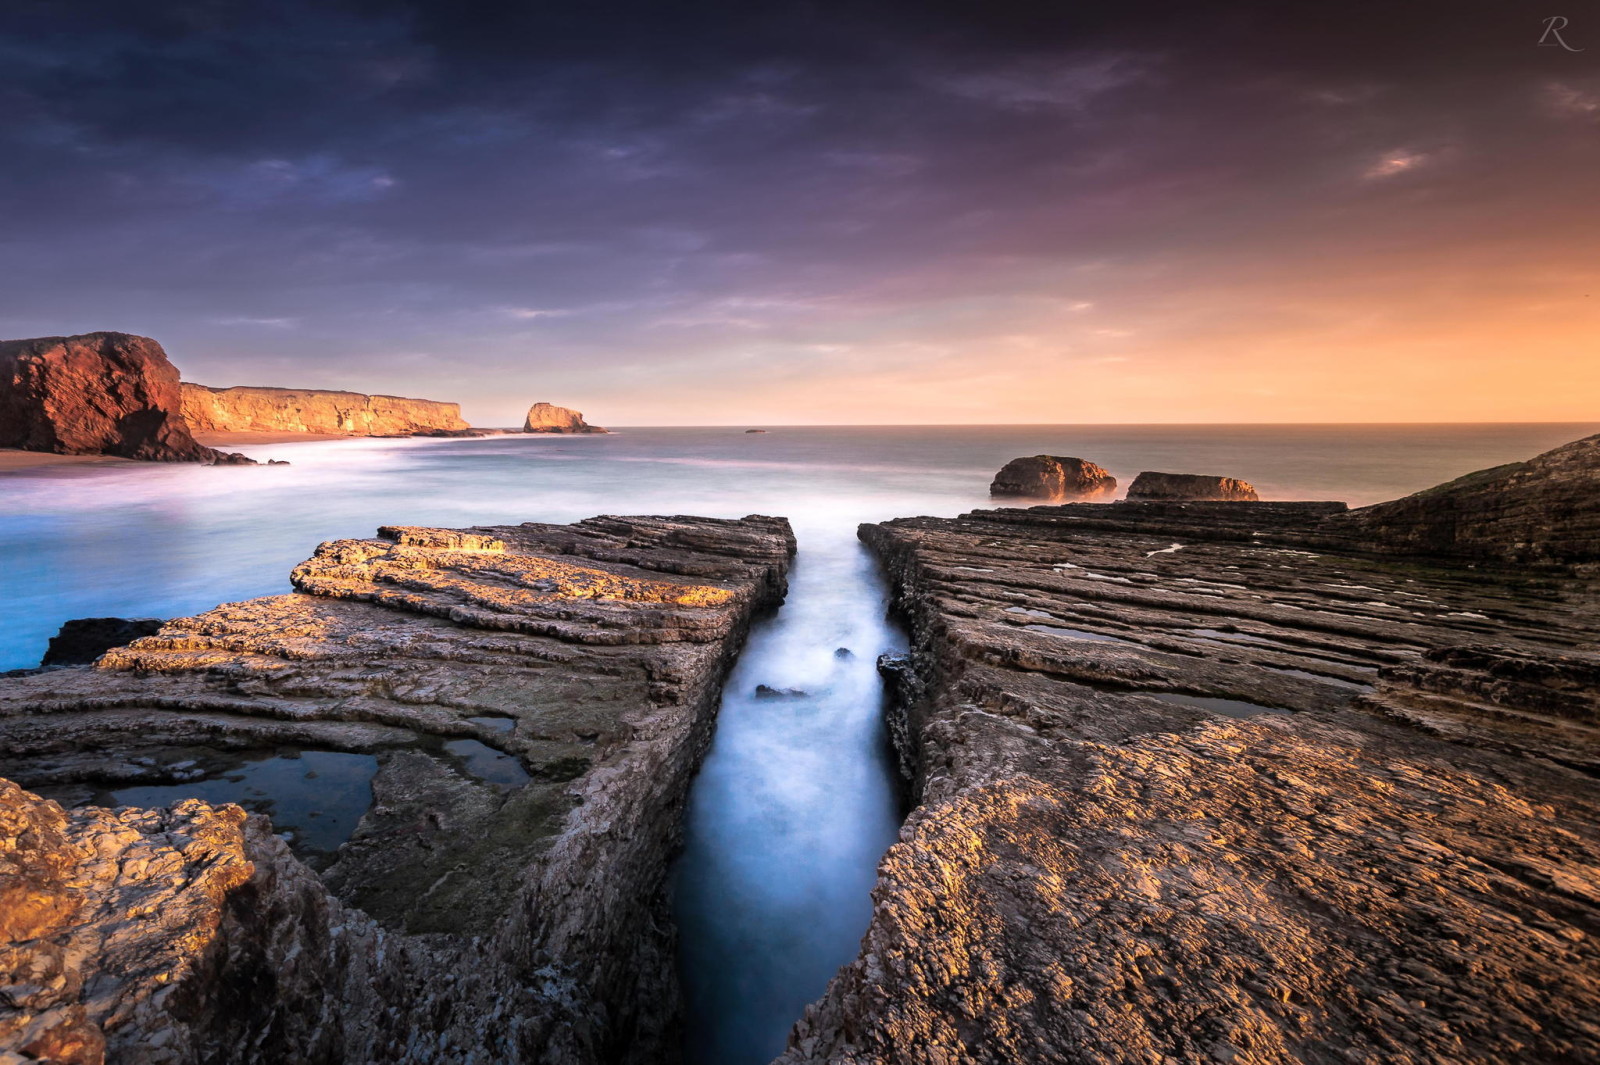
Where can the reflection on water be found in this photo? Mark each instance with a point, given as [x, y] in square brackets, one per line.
[790, 813]
[318, 797]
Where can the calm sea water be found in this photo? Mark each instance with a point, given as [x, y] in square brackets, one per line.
[795, 804]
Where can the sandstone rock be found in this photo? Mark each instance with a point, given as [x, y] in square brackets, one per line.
[83, 640]
[1542, 511]
[1190, 486]
[545, 418]
[1052, 477]
[245, 409]
[1125, 850]
[466, 918]
[95, 394]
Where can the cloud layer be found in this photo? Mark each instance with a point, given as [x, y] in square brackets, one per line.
[786, 213]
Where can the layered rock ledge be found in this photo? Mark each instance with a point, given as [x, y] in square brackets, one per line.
[247, 409]
[1185, 794]
[530, 703]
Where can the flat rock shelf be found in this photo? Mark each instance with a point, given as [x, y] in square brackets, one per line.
[530, 703]
[1402, 864]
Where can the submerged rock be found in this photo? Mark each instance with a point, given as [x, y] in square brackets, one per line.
[248, 409]
[1191, 486]
[1052, 477]
[1402, 868]
[545, 418]
[95, 394]
[536, 697]
[1542, 511]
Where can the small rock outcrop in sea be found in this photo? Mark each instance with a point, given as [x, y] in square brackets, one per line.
[96, 394]
[755, 430]
[247, 409]
[83, 640]
[547, 418]
[1185, 794]
[1193, 487]
[519, 711]
[1052, 477]
[1539, 512]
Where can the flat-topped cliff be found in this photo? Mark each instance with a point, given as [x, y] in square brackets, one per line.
[494, 729]
[248, 409]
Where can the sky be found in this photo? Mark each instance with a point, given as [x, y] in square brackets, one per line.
[811, 213]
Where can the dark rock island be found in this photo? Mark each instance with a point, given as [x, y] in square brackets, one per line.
[1052, 477]
[1192, 487]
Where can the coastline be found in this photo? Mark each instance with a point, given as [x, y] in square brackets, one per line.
[15, 460]
[246, 439]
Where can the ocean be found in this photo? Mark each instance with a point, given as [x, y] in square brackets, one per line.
[796, 802]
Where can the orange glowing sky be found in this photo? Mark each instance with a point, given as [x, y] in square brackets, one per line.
[894, 214]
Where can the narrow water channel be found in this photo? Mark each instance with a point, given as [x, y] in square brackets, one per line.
[795, 804]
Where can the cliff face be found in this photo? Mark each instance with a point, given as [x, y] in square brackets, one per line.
[245, 409]
[546, 418]
[1189, 796]
[531, 702]
[1542, 511]
[95, 394]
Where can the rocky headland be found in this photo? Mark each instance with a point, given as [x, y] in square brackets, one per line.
[1052, 477]
[1543, 512]
[245, 409]
[547, 418]
[501, 725]
[96, 394]
[1189, 790]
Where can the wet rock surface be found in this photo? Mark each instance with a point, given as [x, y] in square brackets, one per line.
[534, 700]
[96, 394]
[1400, 864]
[1545, 511]
[1052, 477]
[1191, 487]
[247, 409]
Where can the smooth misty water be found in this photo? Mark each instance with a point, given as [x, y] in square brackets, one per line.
[795, 804]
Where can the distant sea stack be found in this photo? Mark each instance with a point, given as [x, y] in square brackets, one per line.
[1192, 488]
[246, 409]
[96, 394]
[1052, 477]
[548, 418]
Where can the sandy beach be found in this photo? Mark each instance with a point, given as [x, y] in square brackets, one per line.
[13, 460]
[235, 440]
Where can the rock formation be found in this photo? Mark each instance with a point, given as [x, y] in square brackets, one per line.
[545, 418]
[244, 409]
[1186, 795]
[96, 394]
[529, 704]
[1191, 487]
[1542, 511]
[83, 640]
[1052, 477]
